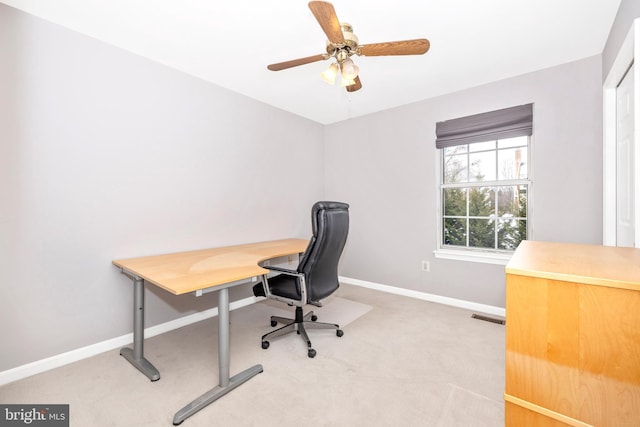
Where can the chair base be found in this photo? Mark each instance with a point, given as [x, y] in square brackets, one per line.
[300, 324]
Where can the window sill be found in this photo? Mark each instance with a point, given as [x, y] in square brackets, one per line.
[473, 256]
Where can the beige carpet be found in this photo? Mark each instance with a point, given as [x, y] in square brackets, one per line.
[401, 361]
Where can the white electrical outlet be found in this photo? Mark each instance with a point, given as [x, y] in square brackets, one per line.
[426, 266]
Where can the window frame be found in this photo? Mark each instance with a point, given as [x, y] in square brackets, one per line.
[471, 254]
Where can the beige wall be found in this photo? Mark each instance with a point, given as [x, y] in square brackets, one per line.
[384, 165]
[104, 155]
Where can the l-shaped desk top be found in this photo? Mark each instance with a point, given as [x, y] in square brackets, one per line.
[184, 272]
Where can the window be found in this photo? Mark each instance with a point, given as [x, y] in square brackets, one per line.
[484, 194]
[484, 182]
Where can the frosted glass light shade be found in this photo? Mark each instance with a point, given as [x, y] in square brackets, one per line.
[349, 70]
[329, 75]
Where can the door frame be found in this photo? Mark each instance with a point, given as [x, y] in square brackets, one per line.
[628, 54]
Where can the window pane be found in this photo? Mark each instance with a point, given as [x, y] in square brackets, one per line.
[482, 233]
[511, 232]
[518, 141]
[456, 149]
[482, 146]
[477, 212]
[482, 201]
[512, 201]
[455, 201]
[455, 169]
[483, 166]
[512, 163]
[455, 232]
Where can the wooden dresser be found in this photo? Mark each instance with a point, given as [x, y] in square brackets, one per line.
[573, 336]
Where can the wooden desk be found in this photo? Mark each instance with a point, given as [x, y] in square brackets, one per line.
[573, 336]
[180, 273]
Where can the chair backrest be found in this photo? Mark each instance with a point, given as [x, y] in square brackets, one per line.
[330, 226]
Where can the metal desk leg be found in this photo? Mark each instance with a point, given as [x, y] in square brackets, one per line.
[136, 356]
[226, 384]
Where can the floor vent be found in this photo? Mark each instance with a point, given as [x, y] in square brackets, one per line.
[489, 319]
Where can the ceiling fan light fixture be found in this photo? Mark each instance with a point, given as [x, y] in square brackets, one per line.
[329, 75]
[342, 43]
[349, 70]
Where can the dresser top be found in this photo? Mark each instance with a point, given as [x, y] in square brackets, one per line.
[590, 264]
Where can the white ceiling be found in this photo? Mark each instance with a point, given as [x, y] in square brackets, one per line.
[230, 43]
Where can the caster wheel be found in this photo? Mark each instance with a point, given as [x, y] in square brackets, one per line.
[311, 353]
[274, 323]
[314, 318]
[265, 344]
[339, 332]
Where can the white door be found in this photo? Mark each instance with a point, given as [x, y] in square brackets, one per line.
[625, 224]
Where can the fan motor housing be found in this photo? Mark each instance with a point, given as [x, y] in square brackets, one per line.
[350, 40]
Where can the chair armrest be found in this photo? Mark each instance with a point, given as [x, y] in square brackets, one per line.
[302, 286]
[283, 270]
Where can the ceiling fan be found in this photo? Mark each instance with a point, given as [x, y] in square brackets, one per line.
[342, 44]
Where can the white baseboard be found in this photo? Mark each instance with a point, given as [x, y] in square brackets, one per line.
[56, 361]
[53, 362]
[468, 305]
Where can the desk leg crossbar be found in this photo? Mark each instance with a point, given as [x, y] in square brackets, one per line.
[135, 356]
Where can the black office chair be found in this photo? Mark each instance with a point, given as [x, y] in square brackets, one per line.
[316, 276]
